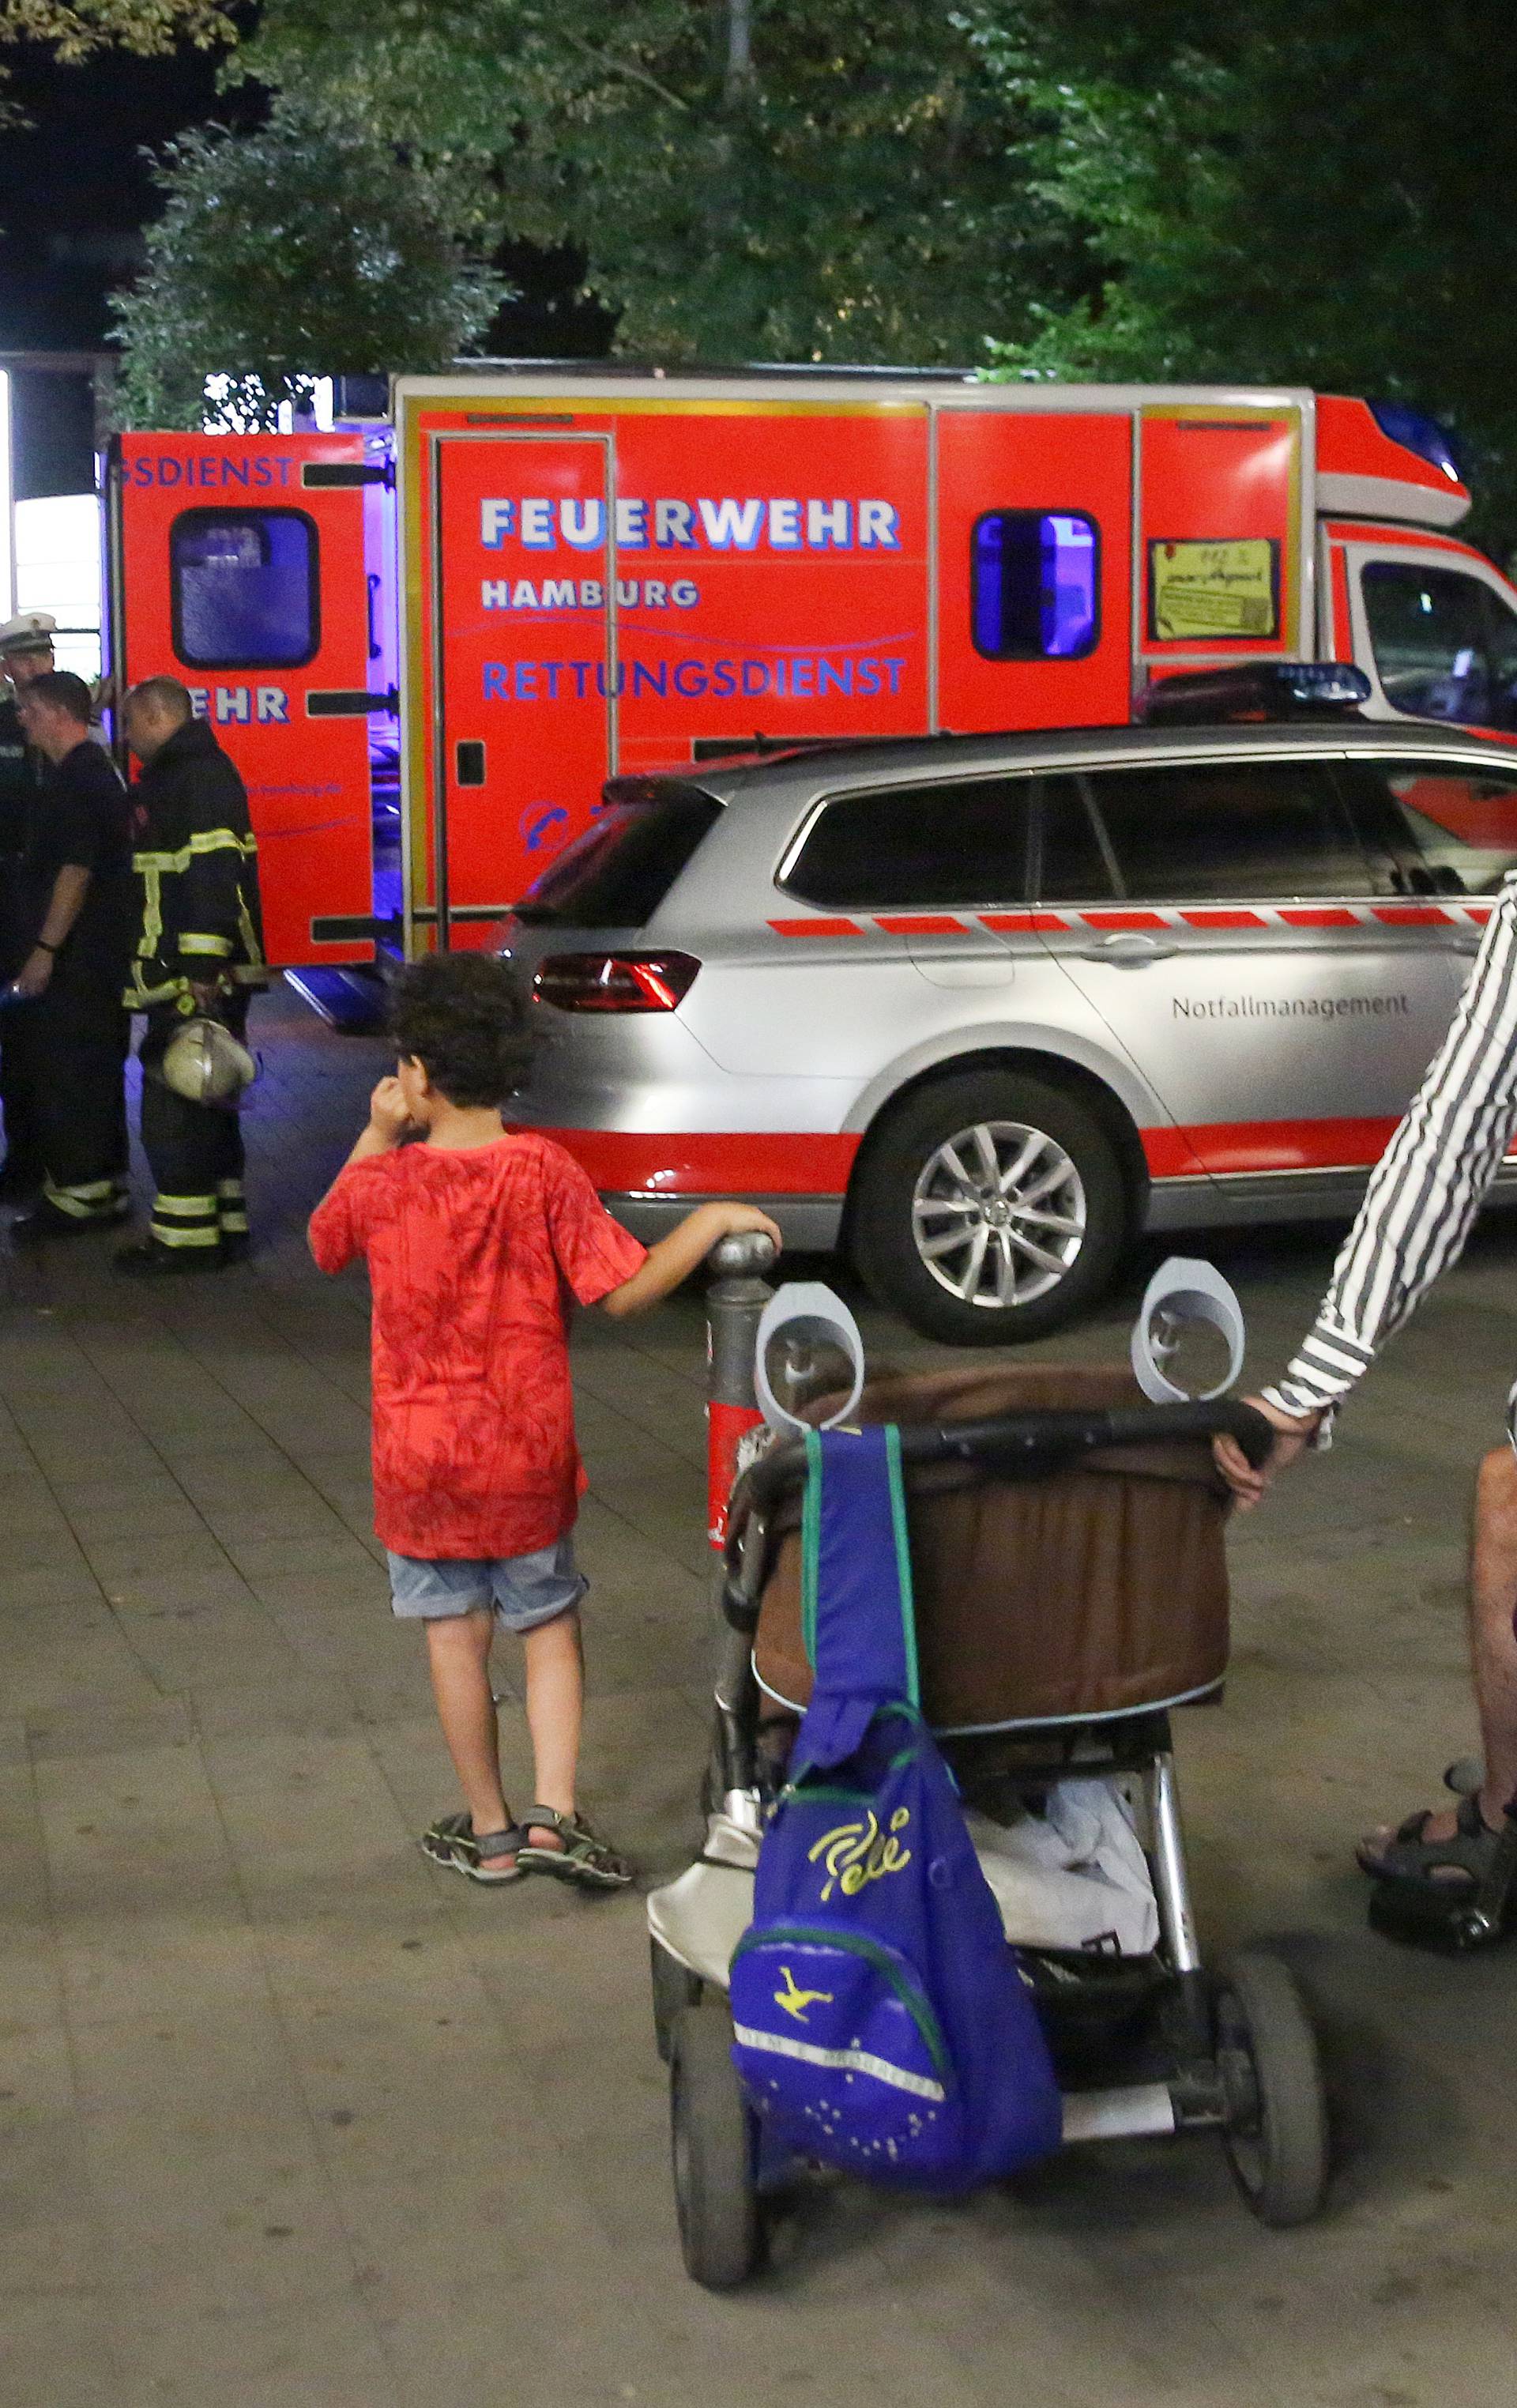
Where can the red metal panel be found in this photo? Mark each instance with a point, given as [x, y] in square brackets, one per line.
[1221, 507]
[308, 779]
[789, 596]
[1350, 442]
[1044, 460]
[526, 668]
[770, 576]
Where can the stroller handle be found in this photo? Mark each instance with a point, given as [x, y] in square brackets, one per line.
[1025, 1446]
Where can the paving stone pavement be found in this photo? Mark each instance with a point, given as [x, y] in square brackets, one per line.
[289, 2119]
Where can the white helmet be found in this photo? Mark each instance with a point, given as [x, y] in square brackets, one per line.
[206, 1065]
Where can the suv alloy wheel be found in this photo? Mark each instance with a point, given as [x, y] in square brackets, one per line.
[990, 1209]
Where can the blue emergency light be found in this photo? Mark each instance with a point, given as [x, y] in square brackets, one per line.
[1416, 432]
[1255, 690]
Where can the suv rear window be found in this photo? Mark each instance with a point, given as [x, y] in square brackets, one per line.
[617, 873]
[959, 841]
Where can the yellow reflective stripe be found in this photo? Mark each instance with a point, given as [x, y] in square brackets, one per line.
[63, 1200]
[138, 997]
[152, 906]
[220, 946]
[211, 1237]
[89, 1190]
[185, 1208]
[249, 941]
[230, 1190]
[235, 1223]
[208, 841]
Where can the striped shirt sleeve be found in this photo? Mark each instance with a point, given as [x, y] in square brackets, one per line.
[1428, 1186]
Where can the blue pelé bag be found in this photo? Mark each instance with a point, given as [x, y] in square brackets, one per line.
[882, 2022]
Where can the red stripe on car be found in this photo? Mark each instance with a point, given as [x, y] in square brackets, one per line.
[816, 927]
[1225, 919]
[720, 1162]
[1122, 919]
[1223, 1146]
[1012, 924]
[919, 924]
[1323, 915]
[1411, 915]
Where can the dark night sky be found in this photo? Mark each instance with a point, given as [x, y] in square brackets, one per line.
[74, 191]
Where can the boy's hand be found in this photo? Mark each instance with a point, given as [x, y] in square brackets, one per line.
[387, 1114]
[1293, 1434]
[731, 1219]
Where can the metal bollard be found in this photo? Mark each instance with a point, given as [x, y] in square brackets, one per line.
[735, 1303]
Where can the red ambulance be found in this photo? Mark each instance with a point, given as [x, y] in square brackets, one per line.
[527, 581]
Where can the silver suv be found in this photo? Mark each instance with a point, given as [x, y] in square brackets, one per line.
[979, 1008]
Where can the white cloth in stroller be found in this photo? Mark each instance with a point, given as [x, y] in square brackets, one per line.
[1075, 1877]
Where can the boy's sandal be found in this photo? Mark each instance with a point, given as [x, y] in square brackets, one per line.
[452, 1841]
[585, 1858]
[1451, 1866]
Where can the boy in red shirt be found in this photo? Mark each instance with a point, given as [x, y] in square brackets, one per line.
[476, 1241]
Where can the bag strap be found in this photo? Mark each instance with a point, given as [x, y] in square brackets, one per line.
[858, 1606]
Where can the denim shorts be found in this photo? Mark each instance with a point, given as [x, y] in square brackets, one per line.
[523, 1590]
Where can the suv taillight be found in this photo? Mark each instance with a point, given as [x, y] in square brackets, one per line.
[615, 982]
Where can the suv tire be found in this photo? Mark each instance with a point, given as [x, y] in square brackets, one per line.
[1014, 1163]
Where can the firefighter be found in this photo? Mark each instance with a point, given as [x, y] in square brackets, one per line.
[74, 923]
[25, 653]
[198, 950]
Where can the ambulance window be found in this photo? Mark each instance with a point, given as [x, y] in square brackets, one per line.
[1213, 831]
[1445, 644]
[244, 589]
[957, 841]
[1434, 827]
[1034, 585]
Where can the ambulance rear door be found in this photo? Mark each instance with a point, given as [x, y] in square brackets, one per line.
[237, 565]
[522, 708]
[1226, 565]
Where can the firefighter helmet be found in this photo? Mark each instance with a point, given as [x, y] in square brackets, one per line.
[206, 1065]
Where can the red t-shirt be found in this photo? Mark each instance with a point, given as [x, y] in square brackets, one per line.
[473, 1255]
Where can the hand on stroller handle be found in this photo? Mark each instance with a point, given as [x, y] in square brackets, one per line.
[1027, 1446]
[1032, 1442]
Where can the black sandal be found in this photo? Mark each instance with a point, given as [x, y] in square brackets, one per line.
[1447, 1867]
[452, 1841]
[585, 1858]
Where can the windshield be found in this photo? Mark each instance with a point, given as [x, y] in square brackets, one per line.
[617, 873]
[1445, 643]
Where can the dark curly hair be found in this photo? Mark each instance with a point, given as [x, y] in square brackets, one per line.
[467, 1018]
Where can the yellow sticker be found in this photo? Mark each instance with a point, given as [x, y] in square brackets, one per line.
[1215, 589]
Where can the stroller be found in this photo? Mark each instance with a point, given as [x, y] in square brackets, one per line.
[1067, 1543]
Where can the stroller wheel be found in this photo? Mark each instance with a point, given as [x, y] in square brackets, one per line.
[674, 1989]
[721, 2230]
[1276, 2133]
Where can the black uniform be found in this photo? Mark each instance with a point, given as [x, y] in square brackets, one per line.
[17, 793]
[72, 1040]
[198, 918]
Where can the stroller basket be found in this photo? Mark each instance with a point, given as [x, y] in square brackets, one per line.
[1066, 1547]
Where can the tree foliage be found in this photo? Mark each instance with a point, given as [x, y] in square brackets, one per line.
[297, 250]
[1302, 191]
[75, 28]
[797, 179]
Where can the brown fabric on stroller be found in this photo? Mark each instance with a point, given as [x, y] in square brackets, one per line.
[1094, 1591]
